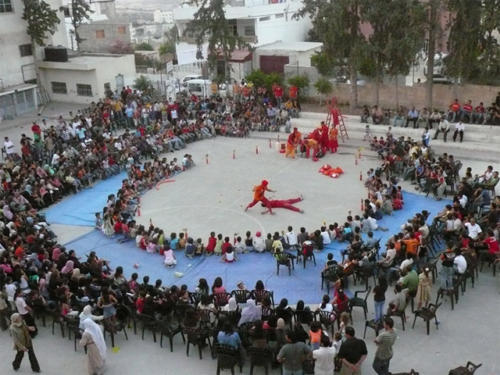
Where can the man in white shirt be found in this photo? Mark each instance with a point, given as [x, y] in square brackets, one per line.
[459, 130]
[463, 200]
[8, 146]
[291, 238]
[460, 262]
[21, 305]
[443, 127]
[473, 229]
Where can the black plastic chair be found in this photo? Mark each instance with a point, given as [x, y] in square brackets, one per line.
[169, 329]
[198, 337]
[427, 314]
[260, 357]
[360, 302]
[327, 319]
[148, 322]
[469, 369]
[284, 261]
[227, 358]
[241, 296]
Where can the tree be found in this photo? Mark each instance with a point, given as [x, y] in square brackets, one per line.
[432, 26]
[324, 87]
[42, 20]
[322, 62]
[489, 59]
[80, 11]
[166, 48]
[144, 46]
[464, 40]
[260, 79]
[142, 83]
[210, 23]
[395, 41]
[301, 81]
[336, 23]
[121, 48]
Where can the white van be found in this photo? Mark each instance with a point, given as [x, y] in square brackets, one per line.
[190, 77]
[203, 88]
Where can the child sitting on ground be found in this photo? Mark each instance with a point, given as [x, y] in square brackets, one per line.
[190, 248]
[239, 246]
[229, 256]
[199, 247]
[98, 221]
[170, 260]
[218, 245]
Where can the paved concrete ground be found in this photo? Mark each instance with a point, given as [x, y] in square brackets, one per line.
[467, 333]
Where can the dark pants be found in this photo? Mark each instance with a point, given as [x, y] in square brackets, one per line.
[458, 132]
[414, 120]
[31, 355]
[381, 366]
[445, 132]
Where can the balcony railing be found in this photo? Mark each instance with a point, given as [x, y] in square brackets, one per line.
[192, 39]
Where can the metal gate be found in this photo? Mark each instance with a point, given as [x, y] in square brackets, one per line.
[273, 64]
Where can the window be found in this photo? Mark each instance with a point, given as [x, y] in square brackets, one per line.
[99, 34]
[249, 30]
[25, 49]
[122, 30]
[5, 6]
[261, 19]
[83, 90]
[107, 88]
[59, 88]
[279, 15]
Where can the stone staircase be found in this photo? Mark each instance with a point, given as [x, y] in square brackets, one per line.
[480, 142]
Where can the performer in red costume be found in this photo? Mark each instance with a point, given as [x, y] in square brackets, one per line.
[324, 137]
[259, 196]
[285, 203]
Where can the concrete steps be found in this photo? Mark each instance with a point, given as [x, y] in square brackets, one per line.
[484, 139]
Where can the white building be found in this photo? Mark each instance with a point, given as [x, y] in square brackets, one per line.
[18, 89]
[87, 77]
[259, 22]
[163, 16]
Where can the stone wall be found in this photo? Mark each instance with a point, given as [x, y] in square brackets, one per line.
[416, 95]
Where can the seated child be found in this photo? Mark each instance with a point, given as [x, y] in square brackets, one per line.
[190, 248]
[229, 255]
[98, 221]
[239, 246]
[199, 247]
[170, 260]
[218, 245]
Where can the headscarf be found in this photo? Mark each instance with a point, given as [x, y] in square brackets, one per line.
[76, 273]
[56, 253]
[87, 314]
[232, 305]
[95, 331]
[68, 267]
[16, 320]
[250, 313]
[280, 324]
[7, 213]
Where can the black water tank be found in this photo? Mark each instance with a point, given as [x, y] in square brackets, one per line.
[59, 54]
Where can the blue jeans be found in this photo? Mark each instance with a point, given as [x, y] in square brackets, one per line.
[290, 372]
[379, 310]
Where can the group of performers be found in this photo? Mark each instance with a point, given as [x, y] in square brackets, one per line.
[318, 142]
[259, 196]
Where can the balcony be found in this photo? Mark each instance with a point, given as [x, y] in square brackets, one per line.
[192, 40]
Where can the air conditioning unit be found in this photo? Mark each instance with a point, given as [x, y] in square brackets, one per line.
[58, 54]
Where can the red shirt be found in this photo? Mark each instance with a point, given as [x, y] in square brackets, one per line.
[293, 91]
[225, 246]
[212, 241]
[492, 245]
[278, 92]
[455, 107]
[467, 107]
[479, 109]
[36, 129]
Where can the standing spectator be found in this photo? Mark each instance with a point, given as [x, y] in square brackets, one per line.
[93, 340]
[352, 353]
[379, 297]
[293, 354]
[459, 130]
[384, 341]
[412, 117]
[324, 357]
[22, 343]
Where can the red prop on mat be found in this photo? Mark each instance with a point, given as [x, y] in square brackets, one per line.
[329, 171]
[163, 182]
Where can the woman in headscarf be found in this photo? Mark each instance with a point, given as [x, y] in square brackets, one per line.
[93, 339]
[68, 267]
[87, 314]
[22, 342]
[56, 253]
[232, 305]
[250, 313]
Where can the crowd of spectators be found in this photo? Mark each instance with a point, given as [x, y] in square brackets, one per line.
[38, 276]
[456, 113]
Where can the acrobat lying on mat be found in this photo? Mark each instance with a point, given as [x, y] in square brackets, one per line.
[284, 203]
